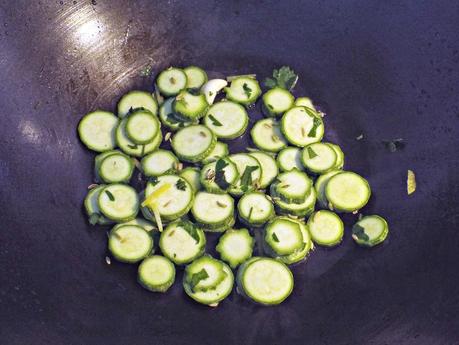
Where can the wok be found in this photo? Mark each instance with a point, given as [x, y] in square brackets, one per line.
[384, 69]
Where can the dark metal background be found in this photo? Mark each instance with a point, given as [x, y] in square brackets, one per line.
[387, 69]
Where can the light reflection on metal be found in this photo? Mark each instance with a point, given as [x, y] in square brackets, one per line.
[89, 32]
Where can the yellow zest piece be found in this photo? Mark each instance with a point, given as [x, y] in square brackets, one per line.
[411, 182]
[150, 200]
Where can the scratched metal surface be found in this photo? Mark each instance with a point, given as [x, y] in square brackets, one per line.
[385, 69]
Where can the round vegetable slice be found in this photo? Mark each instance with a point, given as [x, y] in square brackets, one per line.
[214, 296]
[319, 158]
[347, 192]
[156, 273]
[220, 150]
[91, 206]
[292, 186]
[269, 169]
[282, 236]
[302, 126]
[130, 243]
[190, 106]
[265, 281]
[249, 171]
[255, 209]
[235, 246]
[320, 185]
[171, 120]
[339, 156]
[228, 120]
[196, 77]
[204, 274]
[267, 136]
[326, 228]
[217, 177]
[305, 102]
[277, 101]
[131, 148]
[116, 167]
[171, 81]
[243, 90]
[212, 211]
[159, 162]
[137, 99]
[182, 242]
[118, 202]
[299, 210]
[290, 158]
[142, 127]
[302, 253]
[370, 231]
[193, 143]
[97, 130]
[192, 175]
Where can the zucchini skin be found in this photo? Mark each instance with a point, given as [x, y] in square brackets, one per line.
[122, 259]
[156, 288]
[225, 256]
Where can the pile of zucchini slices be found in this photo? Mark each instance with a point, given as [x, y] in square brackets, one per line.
[287, 192]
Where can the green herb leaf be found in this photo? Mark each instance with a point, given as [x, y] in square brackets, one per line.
[220, 178]
[134, 146]
[311, 153]
[197, 277]
[250, 214]
[394, 145]
[275, 238]
[316, 123]
[359, 232]
[246, 179]
[247, 90]
[284, 77]
[110, 195]
[180, 184]
[215, 122]
[153, 180]
[191, 229]
[94, 218]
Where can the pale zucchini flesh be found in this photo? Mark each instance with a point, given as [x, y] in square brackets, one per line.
[159, 162]
[131, 148]
[267, 136]
[156, 273]
[219, 151]
[370, 231]
[244, 161]
[255, 209]
[302, 126]
[130, 243]
[326, 228]
[347, 192]
[243, 90]
[276, 101]
[290, 158]
[282, 236]
[212, 210]
[319, 158]
[135, 100]
[269, 169]
[193, 143]
[171, 81]
[235, 246]
[118, 202]
[142, 126]
[195, 77]
[97, 130]
[228, 120]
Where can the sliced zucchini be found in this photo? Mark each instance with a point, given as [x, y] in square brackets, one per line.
[190, 106]
[204, 274]
[135, 100]
[320, 185]
[243, 90]
[118, 202]
[267, 136]
[326, 228]
[277, 101]
[97, 130]
[370, 231]
[235, 247]
[347, 192]
[195, 77]
[193, 143]
[170, 195]
[148, 226]
[192, 175]
[290, 158]
[212, 88]
[115, 167]
[156, 273]
[131, 148]
[302, 126]
[171, 81]
[182, 242]
[299, 210]
[220, 150]
[171, 120]
[217, 177]
[142, 126]
[249, 171]
[269, 168]
[214, 296]
[339, 156]
[130, 243]
[98, 159]
[159, 162]
[228, 120]
[292, 186]
[265, 281]
[319, 158]
[302, 253]
[212, 211]
[304, 102]
[282, 236]
[255, 209]
[92, 207]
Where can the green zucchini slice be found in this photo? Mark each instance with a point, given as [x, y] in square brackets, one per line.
[91, 206]
[190, 106]
[255, 209]
[235, 247]
[171, 120]
[97, 130]
[132, 149]
[326, 228]
[249, 173]
[195, 77]
[193, 143]
[292, 186]
[347, 192]
[156, 273]
[219, 151]
[282, 236]
[171, 81]
[192, 175]
[319, 158]
[302, 126]
[204, 274]
[370, 231]
[115, 167]
[277, 101]
[290, 158]
[136, 100]
[159, 162]
[243, 90]
[212, 211]
[217, 177]
[267, 136]
[320, 185]
[299, 210]
[118, 202]
[142, 127]
[130, 243]
[269, 169]
[228, 120]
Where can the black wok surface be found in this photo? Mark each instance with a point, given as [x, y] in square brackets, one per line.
[387, 69]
